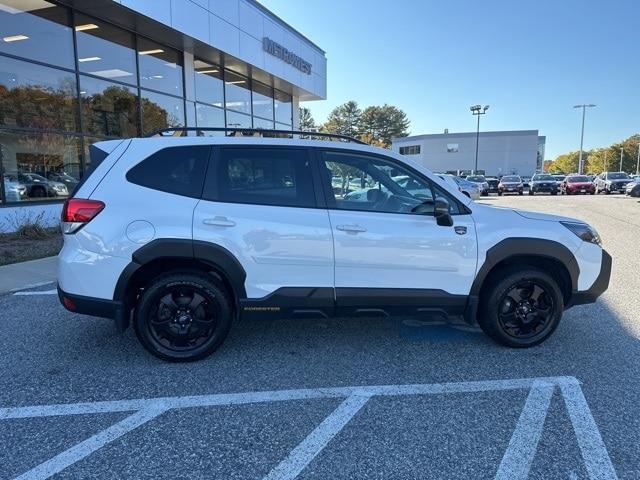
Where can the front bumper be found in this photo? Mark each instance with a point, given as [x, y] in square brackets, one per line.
[599, 286]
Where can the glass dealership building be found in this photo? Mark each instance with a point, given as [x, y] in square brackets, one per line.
[78, 71]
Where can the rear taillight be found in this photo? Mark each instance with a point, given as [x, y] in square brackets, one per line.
[77, 212]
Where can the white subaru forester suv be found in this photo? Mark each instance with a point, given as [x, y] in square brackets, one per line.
[182, 236]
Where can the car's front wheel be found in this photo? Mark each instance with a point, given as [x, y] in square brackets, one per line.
[521, 308]
[183, 316]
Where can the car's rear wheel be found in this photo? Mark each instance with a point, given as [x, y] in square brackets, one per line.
[522, 307]
[183, 316]
[531, 192]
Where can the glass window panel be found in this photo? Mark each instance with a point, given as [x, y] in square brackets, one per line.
[105, 50]
[207, 116]
[262, 101]
[238, 120]
[38, 30]
[109, 108]
[37, 97]
[39, 166]
[262, 123]
[209, 84]
[261, 176]
[283, 106]
[238, 95]
[283, 126]
[161, 111]
[160, 67]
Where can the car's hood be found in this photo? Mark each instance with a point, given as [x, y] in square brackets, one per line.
[544, 216]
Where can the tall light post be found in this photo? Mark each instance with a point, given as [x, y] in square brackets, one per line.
[584, 108]
[621, 154]
[478, 110]
[638, 161]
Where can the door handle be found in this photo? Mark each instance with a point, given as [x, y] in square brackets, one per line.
[351, 228]
[219, 221]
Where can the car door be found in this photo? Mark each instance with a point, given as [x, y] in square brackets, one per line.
[387, 257]
[259, 204]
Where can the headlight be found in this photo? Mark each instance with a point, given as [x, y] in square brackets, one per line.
[586, 232]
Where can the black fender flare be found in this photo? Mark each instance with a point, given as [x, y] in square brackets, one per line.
[516, 247]
[215, 256]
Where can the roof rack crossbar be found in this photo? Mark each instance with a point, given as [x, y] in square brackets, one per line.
[251, 131]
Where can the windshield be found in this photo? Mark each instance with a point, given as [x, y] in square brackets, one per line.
[476, 178]
[618, 176]
[543, 178]
[511, 179]
[578, 179]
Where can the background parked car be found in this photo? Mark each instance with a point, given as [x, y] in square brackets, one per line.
[575, 184]
[608, 182]
[14, 190]
[481, 181]
[510, 184]
[543, 182]
[39, 187]
[559, 179]
[633, 184]
[493, 184]
[470, 189]
[62, 177]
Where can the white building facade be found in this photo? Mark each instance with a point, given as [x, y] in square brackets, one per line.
[73, 72]
[518, 152]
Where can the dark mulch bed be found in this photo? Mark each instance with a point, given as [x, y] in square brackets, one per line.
[15, 247]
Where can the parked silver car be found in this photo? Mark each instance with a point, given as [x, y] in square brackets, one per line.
[470, 189]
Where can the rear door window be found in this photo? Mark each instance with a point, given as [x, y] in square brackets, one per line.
[262, 176]
[177, 170]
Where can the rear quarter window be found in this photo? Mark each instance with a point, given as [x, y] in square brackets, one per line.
[177, 170]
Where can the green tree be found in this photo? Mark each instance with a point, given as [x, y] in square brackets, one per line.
[307, 123]
[344, 120]
[380, 124]
[566, 163]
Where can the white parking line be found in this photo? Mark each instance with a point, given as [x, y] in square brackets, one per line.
[90, 445]
[31, 285]
[41, 292]
[307, 450]
[515, 464]
[594, 452]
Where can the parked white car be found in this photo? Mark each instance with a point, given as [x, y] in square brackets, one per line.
[186, 235]
[470, 189]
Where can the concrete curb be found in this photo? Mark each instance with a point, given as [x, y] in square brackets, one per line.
[33, 273]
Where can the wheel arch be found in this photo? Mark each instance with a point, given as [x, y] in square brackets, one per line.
[548, 255]
[163, 255]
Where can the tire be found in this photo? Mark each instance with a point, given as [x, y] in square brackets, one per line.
[531, 192]
[169, 299]
[554, 192]
[499, 194]
[607, 191]
[497, 301]
[520, 192]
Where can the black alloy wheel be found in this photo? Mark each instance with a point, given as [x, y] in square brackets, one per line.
[183, 316]
[521, 307]
[525, 309]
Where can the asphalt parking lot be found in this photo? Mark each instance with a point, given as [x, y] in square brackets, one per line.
[343, 398]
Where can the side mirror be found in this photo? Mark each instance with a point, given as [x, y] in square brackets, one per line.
[442, 212]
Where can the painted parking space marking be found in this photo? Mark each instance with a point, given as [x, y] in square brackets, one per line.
[515, 463]
[41, 292]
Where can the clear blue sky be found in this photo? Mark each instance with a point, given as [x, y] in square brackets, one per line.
[530, 60]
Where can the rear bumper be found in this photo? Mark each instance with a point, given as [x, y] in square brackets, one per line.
[96, 307]
[599, 286]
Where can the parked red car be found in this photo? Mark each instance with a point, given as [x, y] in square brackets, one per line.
[575, 184]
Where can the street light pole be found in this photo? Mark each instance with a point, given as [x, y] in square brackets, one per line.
[478, 110]
[638, 161]
[621, 154]
[584, 108]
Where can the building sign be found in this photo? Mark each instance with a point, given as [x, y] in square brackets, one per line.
[277, 50]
